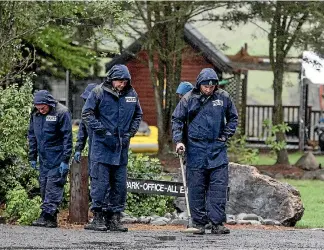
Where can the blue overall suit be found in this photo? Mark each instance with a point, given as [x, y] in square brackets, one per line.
[84, 132]
[114, 118]
[209, 121]
[50, 139]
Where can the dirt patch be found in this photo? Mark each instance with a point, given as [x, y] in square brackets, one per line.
[281, 171]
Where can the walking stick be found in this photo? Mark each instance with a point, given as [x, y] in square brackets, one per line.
[190, 228]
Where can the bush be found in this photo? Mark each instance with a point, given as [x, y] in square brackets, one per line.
[239, 152]
[15, 106]
[20, 208]
[143, 167]
[271, 140]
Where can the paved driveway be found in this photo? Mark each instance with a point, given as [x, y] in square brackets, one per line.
[18, 237]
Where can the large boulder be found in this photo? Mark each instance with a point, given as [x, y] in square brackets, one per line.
[252, 192]
[307, 162]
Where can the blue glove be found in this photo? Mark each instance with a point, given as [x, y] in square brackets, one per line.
[33, 164]
[77, 156]
[64, 168]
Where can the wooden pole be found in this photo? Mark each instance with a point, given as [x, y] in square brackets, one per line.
[79, 193]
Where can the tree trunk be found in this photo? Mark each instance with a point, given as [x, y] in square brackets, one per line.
[277, 117]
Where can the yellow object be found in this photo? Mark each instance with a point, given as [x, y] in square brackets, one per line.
[140, 143]
[145, 143]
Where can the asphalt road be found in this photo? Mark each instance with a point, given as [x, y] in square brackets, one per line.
[17, 237]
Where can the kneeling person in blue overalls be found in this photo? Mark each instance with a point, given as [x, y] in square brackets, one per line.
[210, 118]
[113, 112]
[50, 139]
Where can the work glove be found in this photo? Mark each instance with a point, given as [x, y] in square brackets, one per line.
[180, 148]
[33, 164]
[64, 168]
[77, 156]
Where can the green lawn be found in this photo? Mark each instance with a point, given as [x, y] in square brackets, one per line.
[312, 195]
[267, 159]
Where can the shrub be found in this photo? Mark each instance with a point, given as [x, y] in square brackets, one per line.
[271, 140]
[15, 106]
[20, 208]
[239, 152]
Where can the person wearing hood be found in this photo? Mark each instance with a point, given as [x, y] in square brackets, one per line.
[113, 112]
[183, 88]
[50, 140]
[211, 118]
[84, 132]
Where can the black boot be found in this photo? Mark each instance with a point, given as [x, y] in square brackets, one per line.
[116, 225]
[40, 222]
[219, 229]
[51, 220]
[98, 222]
[108, 216]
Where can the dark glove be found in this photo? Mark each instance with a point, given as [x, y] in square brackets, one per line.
[125, 140]
[33, 164]
[64, 168]
[77, 156]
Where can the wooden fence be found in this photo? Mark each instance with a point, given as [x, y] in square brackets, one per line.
[256, 114]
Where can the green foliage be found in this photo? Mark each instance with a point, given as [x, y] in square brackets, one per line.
[238, 150]
[15, 106]
[20, 208]
[59, 53]
[42, 31]
[271, 140]
[143, 167]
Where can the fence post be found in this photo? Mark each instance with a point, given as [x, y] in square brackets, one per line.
[79, 193]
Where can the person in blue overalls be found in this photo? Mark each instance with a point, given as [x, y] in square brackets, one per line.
[113, 112]
[50, 140]
[211, 118]
[84, 132]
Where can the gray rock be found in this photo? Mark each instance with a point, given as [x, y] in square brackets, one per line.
[129, 220]
[307, 162]
[179, 222]
[144, 220]
[230, 217]
[254, 193]
[180, 204]
[158, 222]
[183, 215]
[166, 220]
[208, 226]
[251, 217]
[243, 222]
[123, 214]
[255, 222]
[271, 222]
[240, 216]
[168, 215]
[174, 215]
[231, 222]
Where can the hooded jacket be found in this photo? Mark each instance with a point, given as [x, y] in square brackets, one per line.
[113, 117]
[50, 135]
[207, 118]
